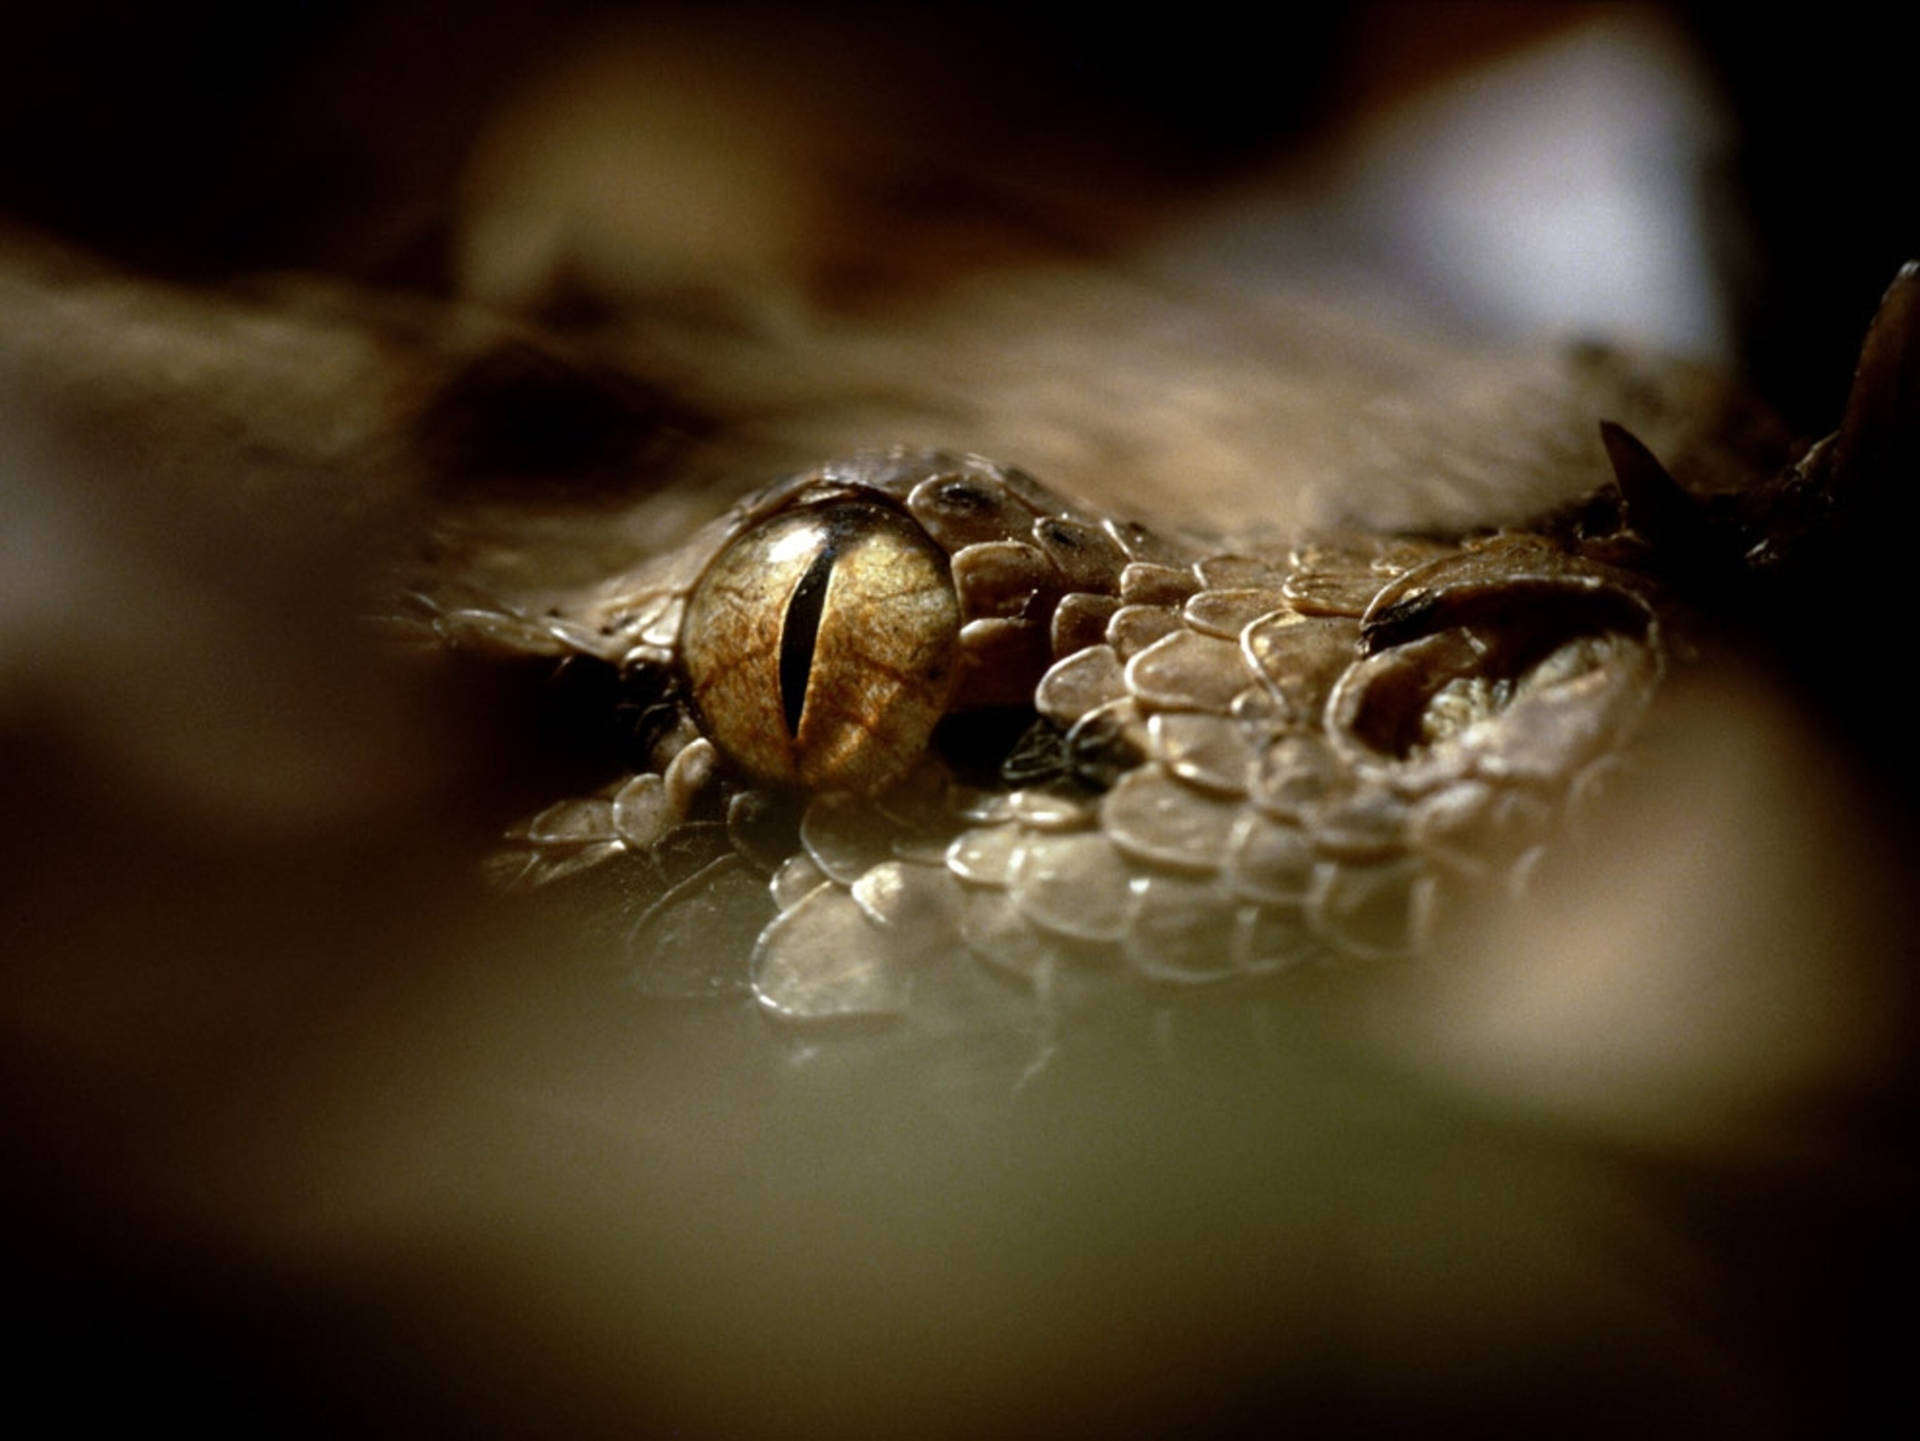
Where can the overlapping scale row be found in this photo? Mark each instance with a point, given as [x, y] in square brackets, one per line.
[1302, 753]
[1298, 798]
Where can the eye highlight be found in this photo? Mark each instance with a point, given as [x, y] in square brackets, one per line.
[821, 645]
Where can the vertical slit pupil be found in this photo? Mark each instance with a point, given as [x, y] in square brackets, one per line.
[801, 632]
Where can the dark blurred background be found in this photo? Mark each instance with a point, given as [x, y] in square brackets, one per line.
[207, 139]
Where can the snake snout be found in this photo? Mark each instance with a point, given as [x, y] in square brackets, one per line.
[1516, 660]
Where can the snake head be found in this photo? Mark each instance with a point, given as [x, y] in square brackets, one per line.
[1229, 760]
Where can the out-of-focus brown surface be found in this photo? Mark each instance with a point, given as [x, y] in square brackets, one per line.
[304, 1135]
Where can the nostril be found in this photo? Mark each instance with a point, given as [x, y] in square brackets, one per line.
[1530, 706]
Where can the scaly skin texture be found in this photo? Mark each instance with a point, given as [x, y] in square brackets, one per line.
[1164, 757]
[1242, 758]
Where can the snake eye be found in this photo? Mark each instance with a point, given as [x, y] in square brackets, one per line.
[821, 644]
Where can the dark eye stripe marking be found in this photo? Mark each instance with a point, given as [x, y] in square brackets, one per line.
[801, 631]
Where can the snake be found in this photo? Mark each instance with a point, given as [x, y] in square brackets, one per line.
[914, 709]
